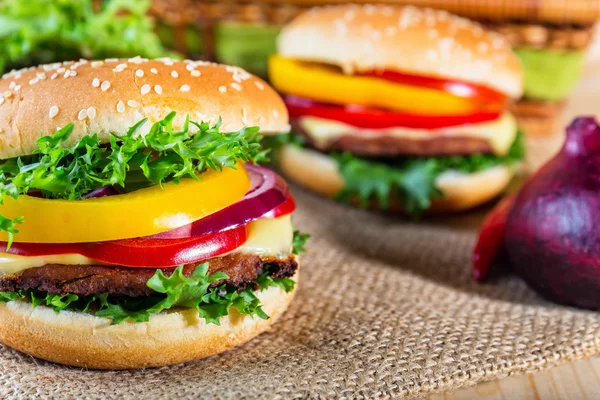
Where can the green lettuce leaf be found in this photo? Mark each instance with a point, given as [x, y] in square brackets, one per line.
[409, 179]
[175, 291]
[41, 31]
[60, 170]
[299, 242]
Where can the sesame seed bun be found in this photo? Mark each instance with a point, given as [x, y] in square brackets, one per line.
[406, 39]
[112, 95]
[319, 173]
[83, 340]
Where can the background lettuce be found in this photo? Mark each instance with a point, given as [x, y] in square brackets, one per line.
[41, 31]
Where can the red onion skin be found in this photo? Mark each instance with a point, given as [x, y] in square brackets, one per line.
[552, 237]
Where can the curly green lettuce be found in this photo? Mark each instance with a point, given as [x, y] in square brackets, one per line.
[59, 169]
[299, 242]
[411, 179]
[41, 31]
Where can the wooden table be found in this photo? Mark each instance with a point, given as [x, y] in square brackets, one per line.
[576, 380]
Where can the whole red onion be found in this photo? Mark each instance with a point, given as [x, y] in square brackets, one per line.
[551, 236]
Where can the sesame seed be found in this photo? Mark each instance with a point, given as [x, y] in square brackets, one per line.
[133, 103]
[236, 86]
[82, 114]
[72, 73]
[8, 94]
[154, 70]
[195, 73]
[54, 76]
[61, 70]
[158, 89]
[190, 67]
[111, 60]
[91, 112]
[185, 88]
[53, 112]
[137, 60]
[174, 74]
[139, 73]
[34, 81]
[41, 75]
[122, 66]
[17, 88]
[12, 85]
[120, 106]
[145, 89]
[97, 63]
[222, 89]
[259, 85]
[96, 82]
[67, 74]
[105, 86]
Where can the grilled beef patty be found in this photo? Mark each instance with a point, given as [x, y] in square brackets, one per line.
[242, 270]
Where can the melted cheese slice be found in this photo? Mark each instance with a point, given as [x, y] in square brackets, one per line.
[266, 237]
[500, 133]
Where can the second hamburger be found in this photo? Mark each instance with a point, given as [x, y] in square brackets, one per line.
[397, 108]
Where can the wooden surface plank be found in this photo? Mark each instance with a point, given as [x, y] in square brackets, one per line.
[573, 381]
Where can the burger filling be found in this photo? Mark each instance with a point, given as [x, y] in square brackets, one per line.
[144, 224]
[392, 135]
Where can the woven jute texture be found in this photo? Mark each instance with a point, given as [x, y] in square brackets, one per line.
[386, 308]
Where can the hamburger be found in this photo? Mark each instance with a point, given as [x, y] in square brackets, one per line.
[397, 108]
[136, 228]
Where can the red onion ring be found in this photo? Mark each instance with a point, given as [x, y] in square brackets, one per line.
[267, 191]
[101, 192]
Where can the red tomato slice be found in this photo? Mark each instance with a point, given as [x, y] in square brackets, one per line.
[368, 118]
[488, 98]
[143, 252]
[285, 208]
[165, 252]
[41, 249]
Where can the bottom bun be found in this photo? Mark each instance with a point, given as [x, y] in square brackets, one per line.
[83, 340]
[319, 172]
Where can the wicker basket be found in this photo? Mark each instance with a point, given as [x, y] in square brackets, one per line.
[204, 28]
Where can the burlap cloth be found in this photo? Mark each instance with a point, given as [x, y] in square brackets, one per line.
[386, 308]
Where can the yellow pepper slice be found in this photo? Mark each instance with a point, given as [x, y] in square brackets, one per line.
[327, 84]
[139, 213]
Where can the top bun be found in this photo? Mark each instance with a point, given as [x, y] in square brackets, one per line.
[112, 95]
[405, 39]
